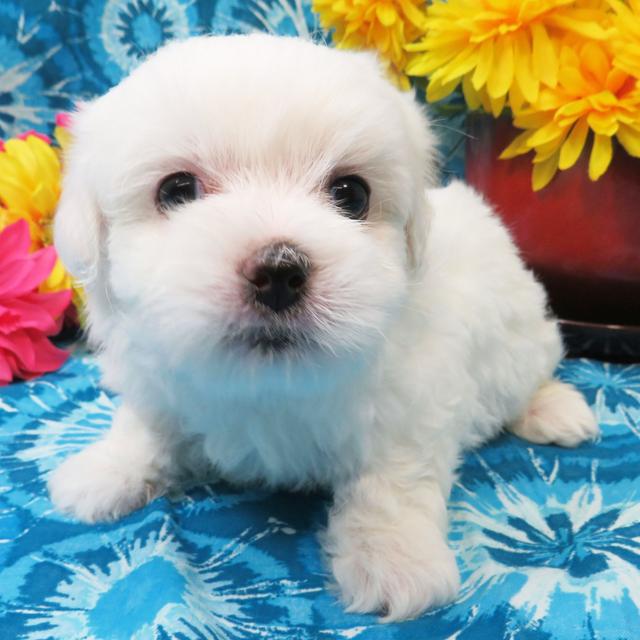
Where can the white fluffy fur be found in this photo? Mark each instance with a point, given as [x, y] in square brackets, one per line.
[420, 342]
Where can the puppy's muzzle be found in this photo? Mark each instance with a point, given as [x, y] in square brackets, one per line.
[277, 276]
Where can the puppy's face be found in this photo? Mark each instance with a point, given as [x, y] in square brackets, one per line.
[247, 196]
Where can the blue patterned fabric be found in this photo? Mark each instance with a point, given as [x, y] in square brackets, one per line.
[56, 52]
[53, 53]
[548, 540]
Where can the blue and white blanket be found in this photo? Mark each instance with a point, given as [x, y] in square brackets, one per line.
[548, 540]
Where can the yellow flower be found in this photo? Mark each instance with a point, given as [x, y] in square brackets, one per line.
[626, 42]
[385, 25]
[591, 95]
[61, 132]
[58, 280]
[29, 185]
[499, 49]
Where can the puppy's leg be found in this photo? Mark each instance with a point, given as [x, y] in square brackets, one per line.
[115, 475]
[386, 540]
[559, 414]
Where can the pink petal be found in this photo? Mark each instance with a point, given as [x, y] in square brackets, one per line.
[10, 320]
[14, 281]
[47, 356]
[63, 119]
[14, 242]
[19, 344]
[26, 315]
[29, 354]
[6, 372]
[13, 272]
[37, 134]
[54, 303]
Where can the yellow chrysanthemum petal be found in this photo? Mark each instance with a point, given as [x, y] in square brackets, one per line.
[573, 145]
[385, 25]
[412, 11]
[550, 100]
[420, 66]
[14, 196]
[629, 138]
[517, 147]
[497, 105]
[438, 91]
[501, 73]
[627, 41]
[471, 96]
[543, 172]
[545, 151]
[605, 124]
[63, 137]
[550, 131]
[574, 82]
[544, 59]
[595, 62]
[48, 160]
[571, 111]
[464, 62]
[523, 72]
[601, 154]
[24, 156]
[485, 62]
[603, 101]
[586, 28]
[386, 14]
[517, 101]
[379, 37]
[11, 169]
[532, 119]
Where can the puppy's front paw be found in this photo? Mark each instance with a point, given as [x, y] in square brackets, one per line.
[559, 414]
[395, 576]
[96, 484]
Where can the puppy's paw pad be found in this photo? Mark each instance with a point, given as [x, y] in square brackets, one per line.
[399, 586]
[95, 485]
[558, 414]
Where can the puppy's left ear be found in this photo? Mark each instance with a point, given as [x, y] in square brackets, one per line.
[422, 159]
[77, 219]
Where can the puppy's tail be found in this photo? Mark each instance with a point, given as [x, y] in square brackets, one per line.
[558, 414]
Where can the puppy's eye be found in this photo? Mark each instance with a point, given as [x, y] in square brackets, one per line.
[351, 194]
[178, 188]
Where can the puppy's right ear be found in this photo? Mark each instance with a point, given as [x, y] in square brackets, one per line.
[77, 218]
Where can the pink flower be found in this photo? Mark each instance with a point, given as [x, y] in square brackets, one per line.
[26, 316]
[63, 119]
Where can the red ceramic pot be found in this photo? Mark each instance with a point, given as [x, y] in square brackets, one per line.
[581, 238]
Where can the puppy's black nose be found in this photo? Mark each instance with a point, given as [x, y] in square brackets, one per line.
[278, 275]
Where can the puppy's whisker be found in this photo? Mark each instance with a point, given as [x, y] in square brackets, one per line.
[448, 127]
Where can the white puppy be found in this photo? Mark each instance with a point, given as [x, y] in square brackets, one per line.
[277, 298]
